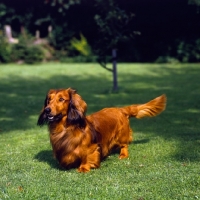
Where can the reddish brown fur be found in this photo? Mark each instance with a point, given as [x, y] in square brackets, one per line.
[80, 141]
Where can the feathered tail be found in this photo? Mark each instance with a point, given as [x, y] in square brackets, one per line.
[149, 109]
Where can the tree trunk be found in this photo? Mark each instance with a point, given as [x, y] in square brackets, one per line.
[114, 58]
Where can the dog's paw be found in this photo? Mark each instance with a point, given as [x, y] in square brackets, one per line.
[122, 156]
[84, 168]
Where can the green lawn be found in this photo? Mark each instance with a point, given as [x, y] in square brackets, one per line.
[164, 160]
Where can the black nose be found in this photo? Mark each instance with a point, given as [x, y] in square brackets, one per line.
[47, 110]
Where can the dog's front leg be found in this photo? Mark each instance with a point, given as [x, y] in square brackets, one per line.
[124, 151]
[92, 159]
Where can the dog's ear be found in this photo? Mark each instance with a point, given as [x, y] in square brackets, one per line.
[76, 109]
[42, 119]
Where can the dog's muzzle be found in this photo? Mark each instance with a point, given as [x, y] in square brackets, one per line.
[50, 117]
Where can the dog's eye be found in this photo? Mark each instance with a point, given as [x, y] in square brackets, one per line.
[61, 99]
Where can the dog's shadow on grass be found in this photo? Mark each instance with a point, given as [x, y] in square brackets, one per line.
[143, 141]
[47, 157]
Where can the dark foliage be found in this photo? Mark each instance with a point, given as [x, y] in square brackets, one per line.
[166, 29]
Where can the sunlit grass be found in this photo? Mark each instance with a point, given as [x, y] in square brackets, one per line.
[164, 158]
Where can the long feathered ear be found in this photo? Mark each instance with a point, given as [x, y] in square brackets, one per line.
[76, 109]
[42, 119]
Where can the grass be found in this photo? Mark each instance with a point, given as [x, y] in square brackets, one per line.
[164, 158]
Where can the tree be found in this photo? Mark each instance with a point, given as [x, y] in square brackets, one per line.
[113, 24]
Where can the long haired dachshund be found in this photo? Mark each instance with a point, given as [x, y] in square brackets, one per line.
[81, 141]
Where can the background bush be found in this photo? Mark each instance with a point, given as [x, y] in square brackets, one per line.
[188, 51]
[157, 35]
[29, 54]
[33, 54]
[5, 50]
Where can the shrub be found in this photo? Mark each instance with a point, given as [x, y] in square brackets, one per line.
[5, 50]
[80, 51]
[26, 51]
[189, 51]
[30, 54]
[18, 52]
[166, 59]
[82, 45]
[79, 59]
[33, 54]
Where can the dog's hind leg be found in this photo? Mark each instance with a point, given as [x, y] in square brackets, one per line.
[125, 138]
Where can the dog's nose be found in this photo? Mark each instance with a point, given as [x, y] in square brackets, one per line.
[47, 110]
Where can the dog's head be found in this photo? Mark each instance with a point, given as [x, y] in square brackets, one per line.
[60, 103]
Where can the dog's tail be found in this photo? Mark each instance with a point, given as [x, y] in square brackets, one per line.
[149, 109]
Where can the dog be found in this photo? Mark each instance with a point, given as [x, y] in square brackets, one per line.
[80, 141]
